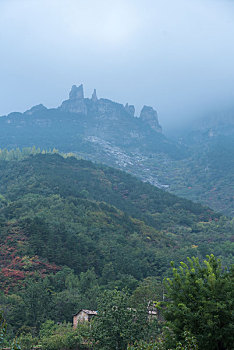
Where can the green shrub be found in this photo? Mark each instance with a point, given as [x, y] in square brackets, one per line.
[64, 337]
[27, 341]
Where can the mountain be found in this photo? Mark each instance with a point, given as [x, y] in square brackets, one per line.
[97, 129]
[198, 165]
[58, 212]
[80, 124]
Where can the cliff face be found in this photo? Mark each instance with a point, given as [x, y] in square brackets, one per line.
[107, 109]
[150, 116]
[114, 122]
[76, 102]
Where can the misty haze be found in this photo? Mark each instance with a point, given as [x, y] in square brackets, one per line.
[116, 158]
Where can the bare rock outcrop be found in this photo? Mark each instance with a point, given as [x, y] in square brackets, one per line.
[130, 109]
[107, 110]
[94, 96]
[76, 102]
[76, 93]
[150, 116]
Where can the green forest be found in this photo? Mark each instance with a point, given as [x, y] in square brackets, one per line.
[78, 235]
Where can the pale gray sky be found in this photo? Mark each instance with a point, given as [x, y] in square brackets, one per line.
[175, 55]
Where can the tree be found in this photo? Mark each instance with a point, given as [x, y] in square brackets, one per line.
[148, 291]
[201, 298]
[37, 302]
[2, 328]
[117, 324]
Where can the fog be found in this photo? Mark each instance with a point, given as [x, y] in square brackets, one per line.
[175, 55]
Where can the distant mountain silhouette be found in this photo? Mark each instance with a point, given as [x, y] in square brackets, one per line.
[78, 120]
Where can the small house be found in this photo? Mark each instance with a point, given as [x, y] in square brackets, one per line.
[83, 316]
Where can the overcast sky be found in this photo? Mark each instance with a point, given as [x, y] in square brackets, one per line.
[175, 55]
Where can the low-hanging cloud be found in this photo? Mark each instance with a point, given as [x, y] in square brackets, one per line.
[176, 55]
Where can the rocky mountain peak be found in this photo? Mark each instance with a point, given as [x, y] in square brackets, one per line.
[130, 109]
[150, 116]
[94, 96]
[76, 93]
[112, 110]
[76, 102]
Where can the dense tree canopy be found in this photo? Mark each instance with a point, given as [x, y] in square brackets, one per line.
[117, 323]
[201, 301]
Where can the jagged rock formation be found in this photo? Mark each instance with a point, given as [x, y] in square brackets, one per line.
[76, 93]
[76, 103]
[79, 122]
[94, 96]
[130, 109]
[150, 116]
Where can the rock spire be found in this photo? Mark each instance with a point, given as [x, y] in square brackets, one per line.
[94, 96]
[130, 109]
[76, 93]
[150, 116]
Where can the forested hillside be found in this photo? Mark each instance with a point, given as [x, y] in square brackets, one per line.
[71, 227]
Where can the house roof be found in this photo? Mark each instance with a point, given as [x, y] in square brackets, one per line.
[92, 312]
[88, 312]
